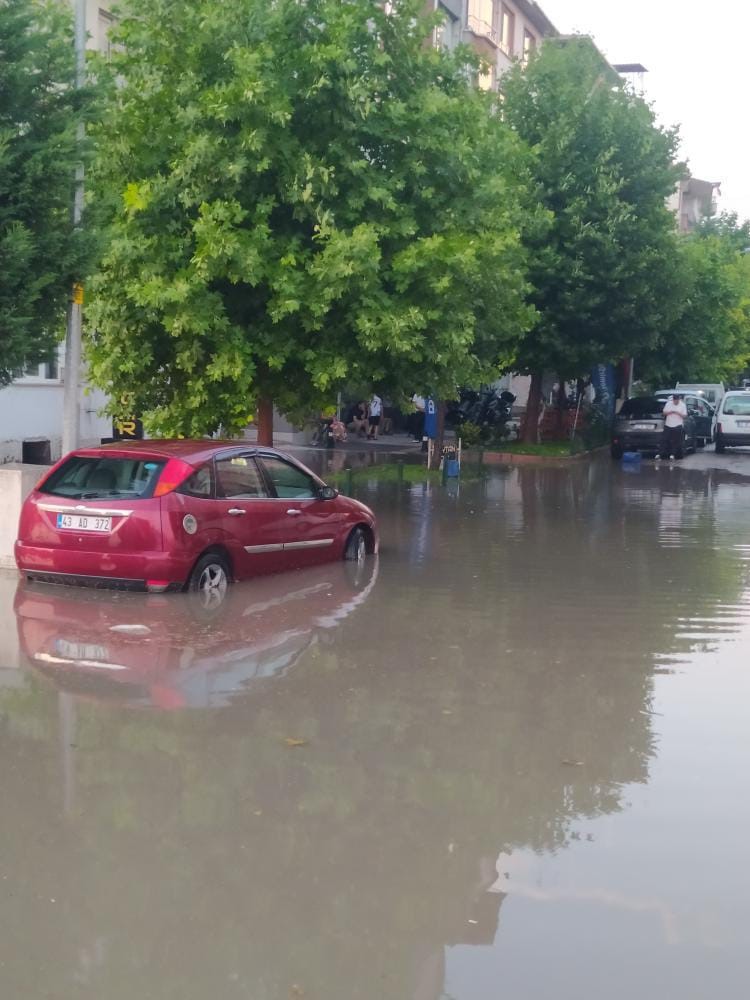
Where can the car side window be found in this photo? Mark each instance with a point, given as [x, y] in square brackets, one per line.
[289, 482]
[238, 478]
[200, 484]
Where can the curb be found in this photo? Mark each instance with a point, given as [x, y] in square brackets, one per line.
[514, 458]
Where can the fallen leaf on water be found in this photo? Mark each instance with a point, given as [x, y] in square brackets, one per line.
[296, 991]
[258, 812]
[290, 742]
[447, 711]
[573, 763]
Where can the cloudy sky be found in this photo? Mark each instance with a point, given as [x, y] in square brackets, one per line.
[696, 57]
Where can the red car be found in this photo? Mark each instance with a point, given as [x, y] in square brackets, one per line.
[148, 651]
[173, 515]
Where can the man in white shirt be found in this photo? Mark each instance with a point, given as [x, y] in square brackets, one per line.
[376, 412]
[675, 415]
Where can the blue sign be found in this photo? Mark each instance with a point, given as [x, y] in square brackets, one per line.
[604, 381]
[430, 418]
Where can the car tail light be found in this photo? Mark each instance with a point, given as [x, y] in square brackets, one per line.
[174, 474]
[718, 428]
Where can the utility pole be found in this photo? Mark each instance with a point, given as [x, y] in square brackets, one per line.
[71, 403]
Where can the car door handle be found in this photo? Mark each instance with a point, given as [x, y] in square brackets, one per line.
[294, 512]
[236, 511]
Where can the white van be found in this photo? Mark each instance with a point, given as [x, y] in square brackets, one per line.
[711, 391]
[733, 428]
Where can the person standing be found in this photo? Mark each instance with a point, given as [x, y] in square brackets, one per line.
[376, 411]
[675, 415]
[416, 420]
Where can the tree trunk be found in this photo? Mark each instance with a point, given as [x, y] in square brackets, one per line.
[533, 407]
[562, 405]
[437, 444]
[265, 421]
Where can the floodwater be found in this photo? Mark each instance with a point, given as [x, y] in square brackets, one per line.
[507, 759]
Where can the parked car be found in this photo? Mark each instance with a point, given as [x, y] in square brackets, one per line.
[639, 426]
[172, 515]
[712, 392]
[702, 412]
[733, 427]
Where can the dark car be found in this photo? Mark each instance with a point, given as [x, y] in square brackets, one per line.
[639, 426]
[702, 412]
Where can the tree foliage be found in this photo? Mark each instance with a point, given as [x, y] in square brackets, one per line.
[40, 255]
[602, 275]
[302, 194]
[709, 339]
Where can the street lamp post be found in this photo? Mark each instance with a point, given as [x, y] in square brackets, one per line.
[71, 405]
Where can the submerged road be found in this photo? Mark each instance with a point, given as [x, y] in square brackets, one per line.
[506, 759]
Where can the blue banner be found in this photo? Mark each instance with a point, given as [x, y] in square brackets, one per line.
[430, 418]
[603, 379]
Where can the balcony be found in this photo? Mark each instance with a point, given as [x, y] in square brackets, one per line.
[482, 29]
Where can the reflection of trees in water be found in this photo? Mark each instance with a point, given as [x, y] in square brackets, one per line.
[199, 844]
[202, 857]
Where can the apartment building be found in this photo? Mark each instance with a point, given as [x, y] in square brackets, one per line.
[31, 408]
[503, 32]
[693, 201]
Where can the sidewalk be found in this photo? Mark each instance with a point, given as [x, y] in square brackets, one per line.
[386, 442]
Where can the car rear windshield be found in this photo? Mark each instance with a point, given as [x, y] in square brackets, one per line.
[93, 477]
[737, 406]
[642, 406]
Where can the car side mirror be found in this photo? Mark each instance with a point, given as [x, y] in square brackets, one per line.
[327, 493]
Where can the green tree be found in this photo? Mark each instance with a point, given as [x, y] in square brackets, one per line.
[40, 254]
[603, 275]
[709, 339]
[303, 194]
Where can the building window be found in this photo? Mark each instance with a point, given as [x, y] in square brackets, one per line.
[482, 19]
[529, 44]
[507, 30]
[486, 79]
[105, 23]
[445, 33]
[48, 371]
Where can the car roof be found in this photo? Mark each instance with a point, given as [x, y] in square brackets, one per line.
[682, 392]
[192, 451]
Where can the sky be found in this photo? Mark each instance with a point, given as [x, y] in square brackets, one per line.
[696, 57]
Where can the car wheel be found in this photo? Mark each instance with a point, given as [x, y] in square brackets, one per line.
[210, 580]
[356, 546]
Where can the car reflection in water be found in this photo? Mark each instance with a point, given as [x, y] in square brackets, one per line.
[182, 651]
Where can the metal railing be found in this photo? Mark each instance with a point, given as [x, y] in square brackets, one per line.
[479, 27]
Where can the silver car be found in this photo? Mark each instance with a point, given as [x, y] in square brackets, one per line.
[639, 426]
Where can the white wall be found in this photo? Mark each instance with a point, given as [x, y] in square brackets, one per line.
[10, 659]
[33, 412]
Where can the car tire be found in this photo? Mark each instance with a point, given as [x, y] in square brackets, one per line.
[210, 579]
[355, 549]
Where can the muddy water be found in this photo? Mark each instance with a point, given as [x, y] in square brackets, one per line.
[508, 759]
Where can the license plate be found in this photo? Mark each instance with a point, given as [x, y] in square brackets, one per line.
[743, 423]
[80, 650]
[643, 427]
[84, 522]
